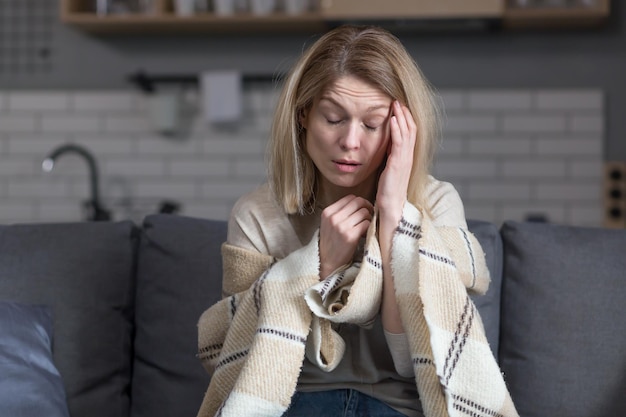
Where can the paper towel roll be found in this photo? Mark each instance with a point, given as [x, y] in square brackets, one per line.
[221, 96]
[164, 108]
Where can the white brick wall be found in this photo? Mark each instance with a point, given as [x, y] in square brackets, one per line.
[539, 152]
[510, 153]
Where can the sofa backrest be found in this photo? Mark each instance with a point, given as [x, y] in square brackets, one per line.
[126, 301]
[488, 305]
[84, 273]
[179, 276]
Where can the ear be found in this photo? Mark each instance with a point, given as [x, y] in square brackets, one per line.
[303, 119]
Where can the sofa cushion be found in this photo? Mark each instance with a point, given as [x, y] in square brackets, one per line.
[179, 276]
[30, 385]
[84, 272]
[563, 336]
[488, 305]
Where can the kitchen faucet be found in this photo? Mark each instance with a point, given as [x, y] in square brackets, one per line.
[98, 213]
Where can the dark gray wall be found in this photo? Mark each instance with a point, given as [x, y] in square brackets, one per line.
[485, 59]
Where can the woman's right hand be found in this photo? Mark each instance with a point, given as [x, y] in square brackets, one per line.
[343, 223]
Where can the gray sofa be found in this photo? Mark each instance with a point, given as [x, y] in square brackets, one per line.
[119, 303]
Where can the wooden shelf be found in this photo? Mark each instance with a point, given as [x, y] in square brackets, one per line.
[410, 9]
[556, 18]
[206, 22]
[81, 14]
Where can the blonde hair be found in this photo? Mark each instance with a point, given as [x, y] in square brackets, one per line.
[373, 55]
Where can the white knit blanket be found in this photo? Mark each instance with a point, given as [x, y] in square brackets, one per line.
[253, 342]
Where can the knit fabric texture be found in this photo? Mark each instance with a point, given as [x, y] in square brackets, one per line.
[254, 341]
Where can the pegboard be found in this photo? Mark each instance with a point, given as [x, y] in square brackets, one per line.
[26, 36]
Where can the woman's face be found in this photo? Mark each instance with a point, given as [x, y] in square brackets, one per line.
[347, 134]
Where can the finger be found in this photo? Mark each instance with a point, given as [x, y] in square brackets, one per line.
[355, 211]
[350, 204]
[396, 137]
[338, 205]
[410, 122]
[401, 118]
[404, 116]
[347, 213]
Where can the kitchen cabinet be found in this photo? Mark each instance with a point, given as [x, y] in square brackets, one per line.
[82, 15]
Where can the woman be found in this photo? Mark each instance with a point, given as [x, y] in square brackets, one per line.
[314, 302]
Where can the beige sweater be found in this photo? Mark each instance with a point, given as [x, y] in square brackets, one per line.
[253, 342]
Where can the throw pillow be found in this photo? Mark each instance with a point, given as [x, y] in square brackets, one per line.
[30, 384]
[563, 336]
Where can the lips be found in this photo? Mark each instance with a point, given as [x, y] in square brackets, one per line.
[345, 165]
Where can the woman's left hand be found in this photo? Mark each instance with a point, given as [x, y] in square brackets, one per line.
[393, 183]
[393, 186]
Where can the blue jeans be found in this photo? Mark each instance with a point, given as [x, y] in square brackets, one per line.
[338, 403]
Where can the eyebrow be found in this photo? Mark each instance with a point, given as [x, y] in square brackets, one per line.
[368, 110]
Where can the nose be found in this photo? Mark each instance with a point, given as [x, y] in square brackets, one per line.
[351, 137]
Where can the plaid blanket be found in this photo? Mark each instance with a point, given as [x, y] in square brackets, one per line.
[253, 342]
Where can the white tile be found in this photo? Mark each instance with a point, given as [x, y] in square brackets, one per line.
[466, 168]
[532, 168]
[17, 211]
[33, 145]
[502, 146]
[79, 186]
[451, 146]
[157, 145]
[569, 100]
[37, 188]
[166, 189]
[261, 100]
[567, 147]
[18, 123]
[115, 101]
[569, 191]
[199, 168]
[584, 124]
[499, 191]
[585, 168]
[500, 100]
[70, 123]
[208, 210]
[534, 123]
[106, 145]
[11, 167]
[250, 168]
[61, 211]
[140, 168]
[457, 123]
[262, 123]
[478, 211]
[126, 124]
[452, 99]
[555, 213]
[229, 189]
[234, 146]
[586, 215]
[38, 101]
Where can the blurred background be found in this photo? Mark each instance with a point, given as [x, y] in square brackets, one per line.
[146, 106]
